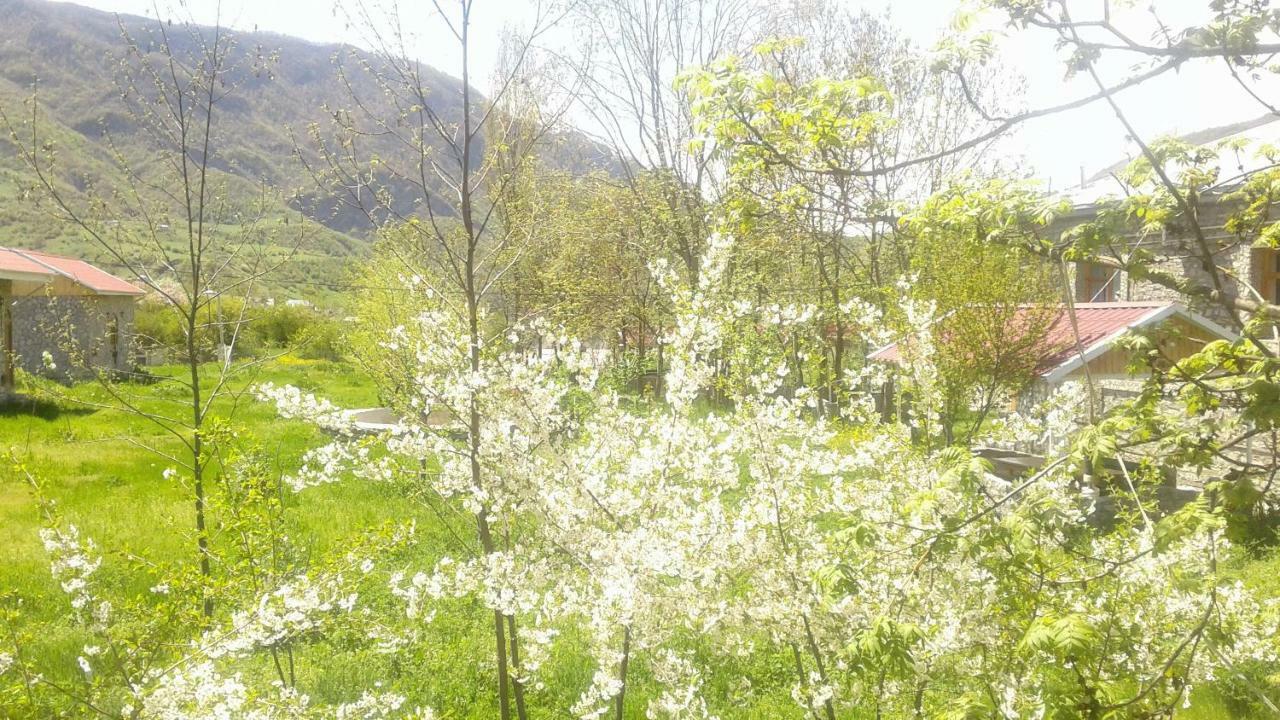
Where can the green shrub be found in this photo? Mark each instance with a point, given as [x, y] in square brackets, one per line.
[281, 326]
[310, 333]
[321, 340]
[156, 325]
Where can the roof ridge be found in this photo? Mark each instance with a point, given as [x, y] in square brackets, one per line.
[57, 270]
[1101, 305]
[77, 270]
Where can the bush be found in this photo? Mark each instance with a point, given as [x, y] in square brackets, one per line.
[315, 335]
[308, 333]
[629, 373]
[157, 326]
[321, 340]
[281, 326]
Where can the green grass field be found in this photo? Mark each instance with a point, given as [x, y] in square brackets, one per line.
[114, 490]
[91, 463]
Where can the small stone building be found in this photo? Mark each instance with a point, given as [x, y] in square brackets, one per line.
[1176, 256]
[1177, 252]
[1098, 359]
[61, 317]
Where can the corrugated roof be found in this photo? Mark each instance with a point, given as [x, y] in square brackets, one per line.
[26, 263]
[1097, 325]
[1094, 322]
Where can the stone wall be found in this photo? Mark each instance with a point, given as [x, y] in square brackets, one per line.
[1177, 253]
[76, 331]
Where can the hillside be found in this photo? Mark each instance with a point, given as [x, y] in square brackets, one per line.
[70, 56]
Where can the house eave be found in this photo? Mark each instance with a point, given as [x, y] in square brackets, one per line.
[40, 278]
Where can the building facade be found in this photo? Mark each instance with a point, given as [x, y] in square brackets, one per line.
[62, 317]
[1177, 252]
[1177, 255]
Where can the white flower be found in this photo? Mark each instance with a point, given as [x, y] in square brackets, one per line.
[71, 562]
[197, 691]
[294, 609]
[757, 527]
[291, 402]
[371, 706]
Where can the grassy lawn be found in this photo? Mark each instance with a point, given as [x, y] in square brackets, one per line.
[91, 464]
[114, 490]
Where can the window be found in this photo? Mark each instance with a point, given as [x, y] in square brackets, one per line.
[1096, 283]
[1266, 271]
[113, 341]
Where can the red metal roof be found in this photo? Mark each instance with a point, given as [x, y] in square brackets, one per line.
[13, 262]
[1094, 322]
[49, 266]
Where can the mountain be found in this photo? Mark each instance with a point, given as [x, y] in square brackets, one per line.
[71, 56]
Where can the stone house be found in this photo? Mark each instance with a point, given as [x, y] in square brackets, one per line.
[1108, 303]
[1080, 345]
[61, 316]
[1177, 252]
[1174, 255]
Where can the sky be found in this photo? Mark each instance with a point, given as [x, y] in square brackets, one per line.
[1059, 149]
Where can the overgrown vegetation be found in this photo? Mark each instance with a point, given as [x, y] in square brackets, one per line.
[304, 331]
[632, 459]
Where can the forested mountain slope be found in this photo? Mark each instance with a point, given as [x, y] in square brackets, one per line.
[70, 59]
